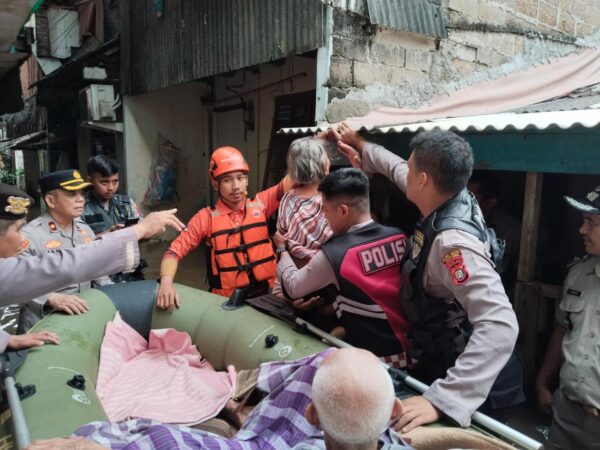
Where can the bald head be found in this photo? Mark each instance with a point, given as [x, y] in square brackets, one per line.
[353, 396]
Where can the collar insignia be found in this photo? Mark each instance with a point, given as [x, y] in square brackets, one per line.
[417, 245]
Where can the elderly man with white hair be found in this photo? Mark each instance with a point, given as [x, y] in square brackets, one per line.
[353, 402]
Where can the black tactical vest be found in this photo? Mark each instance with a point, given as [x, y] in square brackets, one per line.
[119, 210]
[440, 329]
[366, 263]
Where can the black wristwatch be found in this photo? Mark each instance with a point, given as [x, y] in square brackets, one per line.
[280, 250]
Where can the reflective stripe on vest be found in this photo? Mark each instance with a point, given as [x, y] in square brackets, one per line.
[366, 263]
[244, 253]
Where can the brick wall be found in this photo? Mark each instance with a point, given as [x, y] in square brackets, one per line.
[567, 18]
[481, 34]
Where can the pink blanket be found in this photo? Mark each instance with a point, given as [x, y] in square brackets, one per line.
[164, 380]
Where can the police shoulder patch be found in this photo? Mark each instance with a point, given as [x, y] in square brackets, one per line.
[53, 244]
[24, 245]
[454, 262]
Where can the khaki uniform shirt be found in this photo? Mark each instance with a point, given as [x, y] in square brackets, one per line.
[579, 311]
[44, 235]
[25, 277]
[482, 296]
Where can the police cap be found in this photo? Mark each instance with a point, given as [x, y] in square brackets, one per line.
[588, 204]
[14, 203]
[67, 180]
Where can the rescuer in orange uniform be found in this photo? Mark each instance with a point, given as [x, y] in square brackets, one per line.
[235, 232]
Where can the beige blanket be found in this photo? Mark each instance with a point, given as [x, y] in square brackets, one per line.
[444, 438]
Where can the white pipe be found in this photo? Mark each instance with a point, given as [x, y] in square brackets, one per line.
[21, 432]
[510, 434]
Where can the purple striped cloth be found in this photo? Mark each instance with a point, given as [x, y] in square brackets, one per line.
[277, 422]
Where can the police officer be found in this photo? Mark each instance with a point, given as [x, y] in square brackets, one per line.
[106, 210]
[362, 262]
[24, 277]
[14, 205]
[463, 328]
[574, 347]
[59, 227]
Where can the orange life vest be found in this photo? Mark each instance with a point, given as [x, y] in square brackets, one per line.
[240, 254]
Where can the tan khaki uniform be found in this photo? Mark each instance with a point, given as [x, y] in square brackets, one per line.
[25, 277]
[579, 312]
[44, 235]
[481, 295]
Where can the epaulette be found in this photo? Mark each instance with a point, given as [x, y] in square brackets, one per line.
[578, 260]
[35, 222]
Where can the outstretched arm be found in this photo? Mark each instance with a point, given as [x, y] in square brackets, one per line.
[372, 158]
[110, 254]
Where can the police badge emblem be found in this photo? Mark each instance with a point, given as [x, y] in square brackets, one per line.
[17, 205]
[454, 262]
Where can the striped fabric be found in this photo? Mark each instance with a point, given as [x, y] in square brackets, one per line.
[277, 422]
[164, 379]
[302, 223]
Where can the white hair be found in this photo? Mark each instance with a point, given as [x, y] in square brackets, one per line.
[306, 160]
[354, 396]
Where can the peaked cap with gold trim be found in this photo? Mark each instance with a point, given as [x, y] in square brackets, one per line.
[67, 180]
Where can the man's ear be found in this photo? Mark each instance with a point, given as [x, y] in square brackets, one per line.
[423, 179]
[215, 184]
[49, 199]
[311, 415]
[345, 209]
[397, 409]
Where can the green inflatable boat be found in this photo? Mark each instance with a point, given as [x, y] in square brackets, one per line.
[242, 336]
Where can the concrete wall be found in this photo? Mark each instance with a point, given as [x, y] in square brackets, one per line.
[568, 18]
[482, 35]
[297, 73]
[178, 115]
[181, 115]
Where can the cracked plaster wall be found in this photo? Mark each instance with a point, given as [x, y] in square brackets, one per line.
[372, 66]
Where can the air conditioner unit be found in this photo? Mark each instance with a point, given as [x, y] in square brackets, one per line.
[97, 103]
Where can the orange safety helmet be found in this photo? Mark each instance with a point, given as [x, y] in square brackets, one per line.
[226, 159]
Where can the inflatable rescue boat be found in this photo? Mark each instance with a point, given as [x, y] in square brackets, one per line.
[242, 336]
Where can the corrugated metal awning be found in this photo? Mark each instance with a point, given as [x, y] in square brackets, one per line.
[418, 16]
[509, 121]
[201, 38]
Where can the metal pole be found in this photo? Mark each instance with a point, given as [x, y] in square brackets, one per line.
[493, 425]
[20, 430]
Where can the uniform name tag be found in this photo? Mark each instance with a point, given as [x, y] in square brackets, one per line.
[382, 256]
[574, 292]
